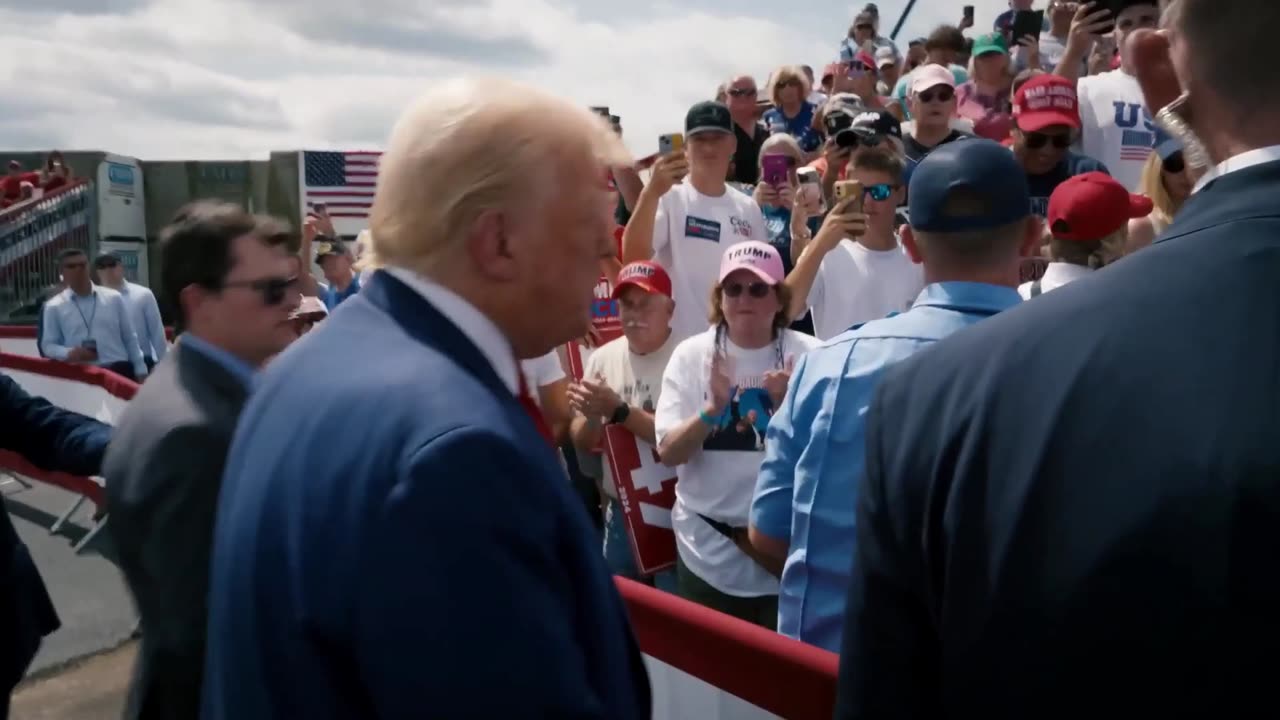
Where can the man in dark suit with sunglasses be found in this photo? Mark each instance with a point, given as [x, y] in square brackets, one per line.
[1046, 122]
[229, 277]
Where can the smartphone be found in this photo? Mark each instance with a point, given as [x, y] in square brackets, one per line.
[811, 186]
[319, 208]
[773, 169]
[1027, 22]
[670, 144]
[968, 13]
[850, 193]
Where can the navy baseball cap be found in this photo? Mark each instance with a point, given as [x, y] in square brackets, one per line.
[985, 171]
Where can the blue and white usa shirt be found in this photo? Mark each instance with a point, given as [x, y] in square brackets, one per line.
[1115, 127]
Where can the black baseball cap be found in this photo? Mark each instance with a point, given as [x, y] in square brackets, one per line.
[708, 116]
[877, 122]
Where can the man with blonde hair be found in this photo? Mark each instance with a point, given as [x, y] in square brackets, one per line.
[434, 560]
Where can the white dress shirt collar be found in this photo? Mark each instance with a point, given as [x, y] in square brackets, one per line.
[1246, 159]
[478, 328]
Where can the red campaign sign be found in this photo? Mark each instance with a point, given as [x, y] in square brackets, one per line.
[606, 323]
[647, 492]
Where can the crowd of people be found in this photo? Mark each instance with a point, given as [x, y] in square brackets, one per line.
[845, 325]
[20, 185]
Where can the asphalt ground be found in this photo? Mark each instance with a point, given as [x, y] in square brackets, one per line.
[82, 669]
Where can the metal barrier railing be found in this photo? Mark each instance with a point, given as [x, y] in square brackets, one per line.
[31, 237]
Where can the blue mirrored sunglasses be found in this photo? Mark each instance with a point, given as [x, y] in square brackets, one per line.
[879, 191]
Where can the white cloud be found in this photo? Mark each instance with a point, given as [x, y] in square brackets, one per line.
[178, 79]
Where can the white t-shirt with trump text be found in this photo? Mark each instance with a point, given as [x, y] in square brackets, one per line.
[690, 233]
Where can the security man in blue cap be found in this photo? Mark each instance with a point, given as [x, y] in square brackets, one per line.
[971, 225]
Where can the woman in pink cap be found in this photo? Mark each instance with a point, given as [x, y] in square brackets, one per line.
[718, 392]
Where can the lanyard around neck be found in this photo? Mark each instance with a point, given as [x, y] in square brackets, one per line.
[88, 322]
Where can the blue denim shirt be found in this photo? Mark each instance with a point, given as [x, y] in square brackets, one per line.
[815, 449]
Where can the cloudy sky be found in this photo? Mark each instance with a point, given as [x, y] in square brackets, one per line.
[232, 79]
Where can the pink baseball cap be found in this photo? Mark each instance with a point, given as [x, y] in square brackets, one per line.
[927, 76]
[760, 258]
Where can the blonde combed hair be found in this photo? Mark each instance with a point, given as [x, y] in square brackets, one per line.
[468, 147]
[785, 74]
[1152, 185]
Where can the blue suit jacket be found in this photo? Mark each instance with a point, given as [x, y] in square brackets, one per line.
[54, 439]
[1075, 505]
[395, 540]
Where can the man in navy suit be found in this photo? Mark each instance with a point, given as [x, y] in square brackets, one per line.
[395, 535]
[54, 439]
[1073, 509]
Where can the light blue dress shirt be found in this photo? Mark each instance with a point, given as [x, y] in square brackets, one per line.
[102, 316]
[144, 313]
[241, 370]
[815, 450]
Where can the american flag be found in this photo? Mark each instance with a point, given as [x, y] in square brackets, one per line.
[1136, 145]
[342, 180]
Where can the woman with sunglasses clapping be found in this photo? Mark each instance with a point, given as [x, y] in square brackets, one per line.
[718, 392]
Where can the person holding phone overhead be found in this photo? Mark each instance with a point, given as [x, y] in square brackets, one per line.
[686, 215]
[1094, 472]
[1116, 126]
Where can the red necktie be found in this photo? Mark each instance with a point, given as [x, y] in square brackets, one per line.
[531, 406]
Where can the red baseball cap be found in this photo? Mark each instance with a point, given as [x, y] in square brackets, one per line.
[1091, 206]
[1044, 101]
[648, 276]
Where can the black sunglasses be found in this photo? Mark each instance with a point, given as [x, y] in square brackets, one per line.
[1035, 140]
[743, 92]
[1174, 163]
[864, 26]
[273, 290]
[943, 94]
[756, 290]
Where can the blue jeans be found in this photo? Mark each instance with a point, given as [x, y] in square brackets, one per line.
[617, 552]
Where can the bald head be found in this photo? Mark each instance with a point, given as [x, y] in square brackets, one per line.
[470, 146]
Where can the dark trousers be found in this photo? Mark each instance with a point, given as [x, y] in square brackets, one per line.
[124, 369]
[762, 610]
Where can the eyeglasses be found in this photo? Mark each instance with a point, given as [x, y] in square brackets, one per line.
[865, 26]
[1174, 163]
[742, 92]
[942, 94]
[75, 265]
[880, 191]
[1035, 140]
[756, 290]
[273, 290]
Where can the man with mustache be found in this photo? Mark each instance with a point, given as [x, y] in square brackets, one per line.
[1075, 505]
[620, 386]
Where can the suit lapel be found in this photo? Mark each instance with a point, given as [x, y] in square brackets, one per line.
[420, 319]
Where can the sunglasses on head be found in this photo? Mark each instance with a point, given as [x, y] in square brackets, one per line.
[880, 191]
[756, 290]
[273, 290]
[1174, 163]
[942, 94]
[1035, 140]
[742, 92]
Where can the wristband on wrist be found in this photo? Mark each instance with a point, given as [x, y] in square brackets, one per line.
[708, 419]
